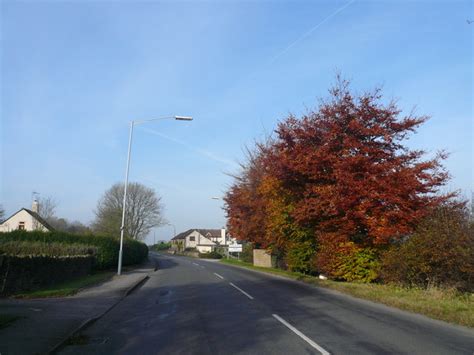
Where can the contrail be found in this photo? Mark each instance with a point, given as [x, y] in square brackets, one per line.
[199, 151]
[311, 31]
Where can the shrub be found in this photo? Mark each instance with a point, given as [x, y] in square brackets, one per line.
[45, 249]
[439, 253]
[107, 247]
[161, 246]
[299, 257]
[24, 273]
[210, 255]
[361, 265]
[247, 253]
[347, 261]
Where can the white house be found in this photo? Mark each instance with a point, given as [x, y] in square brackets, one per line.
[203, 240]
[25, 219]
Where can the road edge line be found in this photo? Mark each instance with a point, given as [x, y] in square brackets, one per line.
[238, 288]
[301, 335]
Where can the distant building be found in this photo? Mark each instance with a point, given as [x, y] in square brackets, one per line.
[203, 240]
[25, 219]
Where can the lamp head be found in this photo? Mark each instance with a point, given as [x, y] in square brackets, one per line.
[183, 118]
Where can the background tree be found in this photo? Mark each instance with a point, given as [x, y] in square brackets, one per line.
[47, 208]
[2, 213]
[143, 212]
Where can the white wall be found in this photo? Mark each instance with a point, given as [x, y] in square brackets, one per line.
[190, 243]
[13, 222]
[204, 249]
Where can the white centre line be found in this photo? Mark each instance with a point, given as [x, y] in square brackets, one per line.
[238, 288]
[219, 276]
[196, 264]
[301, 335]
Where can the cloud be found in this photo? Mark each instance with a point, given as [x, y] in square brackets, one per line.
[203, 152]
[327, 18]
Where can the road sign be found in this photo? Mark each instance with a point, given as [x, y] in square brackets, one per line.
[235, 248]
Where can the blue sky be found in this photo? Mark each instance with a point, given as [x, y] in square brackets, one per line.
[74, 73]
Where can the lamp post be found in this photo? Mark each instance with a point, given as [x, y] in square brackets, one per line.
[122, 226]
[174, 228]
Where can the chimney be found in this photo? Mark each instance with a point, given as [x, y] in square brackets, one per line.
[35, 206]
[223, 238]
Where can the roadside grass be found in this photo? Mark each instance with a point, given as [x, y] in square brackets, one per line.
[68, 288]
[443, 304]
[7, 319]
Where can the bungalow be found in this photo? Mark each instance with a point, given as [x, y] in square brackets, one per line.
[27, 220]
[203, 240]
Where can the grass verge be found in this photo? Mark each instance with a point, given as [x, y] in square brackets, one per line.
[68, 288]
[443, 304]
[7, 319]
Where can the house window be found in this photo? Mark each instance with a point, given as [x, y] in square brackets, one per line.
[21, 226]
[192, 239]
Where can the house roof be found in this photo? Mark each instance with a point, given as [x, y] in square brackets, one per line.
[34, 215]
[212, 233]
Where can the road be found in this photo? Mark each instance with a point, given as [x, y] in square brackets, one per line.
[193, 306]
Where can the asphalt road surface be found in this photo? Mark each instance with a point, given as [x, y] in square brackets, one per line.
[192, 306]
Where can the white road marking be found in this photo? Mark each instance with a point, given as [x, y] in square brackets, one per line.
[219, 276]
[238, 288]
[301, 335]
[196, 264]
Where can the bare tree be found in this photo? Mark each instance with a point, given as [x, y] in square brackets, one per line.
[143, 212]
[47, 208]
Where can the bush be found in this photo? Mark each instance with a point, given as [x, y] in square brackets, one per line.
[299, 257]
[439, 253]
[45, 249]
[25, 273]
[247, 253]
[361, 265]
[347, 261]
[211, 255]
[134, 251]
[161, 246]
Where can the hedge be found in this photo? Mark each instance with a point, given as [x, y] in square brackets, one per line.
[15, 248]
[211, 255]
[26, 273]
[107, 247]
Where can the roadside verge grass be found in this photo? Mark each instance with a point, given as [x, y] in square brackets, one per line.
[68, 288]
[443, 304]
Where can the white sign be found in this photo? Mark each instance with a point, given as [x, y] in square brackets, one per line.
[235, 248]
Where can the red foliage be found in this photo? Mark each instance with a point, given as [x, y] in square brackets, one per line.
[245, 205]
[344, 174]
[352, 175]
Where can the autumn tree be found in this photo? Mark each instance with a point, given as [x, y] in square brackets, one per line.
[143, 211]
[244, 204]
[338, 181]
[354, 182]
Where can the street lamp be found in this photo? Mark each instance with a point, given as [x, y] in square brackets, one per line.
[132, 124]
[174, 228]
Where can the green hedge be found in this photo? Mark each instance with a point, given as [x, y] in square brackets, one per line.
[45, 249]
[211, 255]
[107, 247]
[26, 273]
